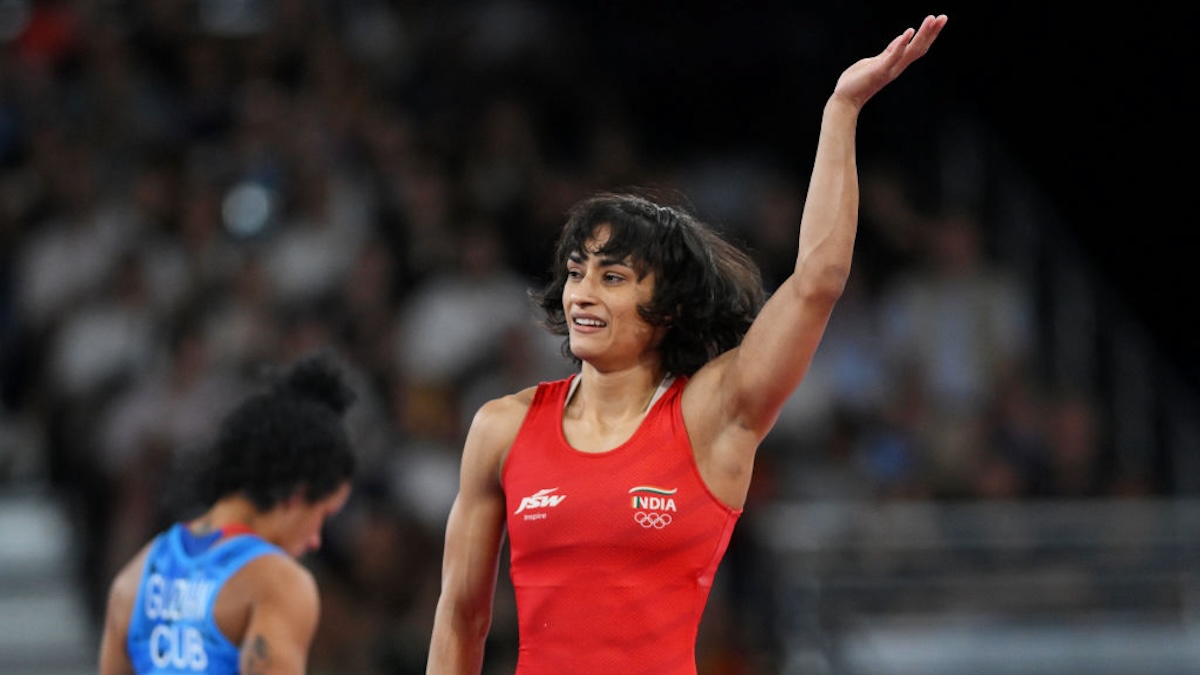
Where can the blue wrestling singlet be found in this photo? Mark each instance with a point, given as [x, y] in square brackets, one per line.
[172, 630]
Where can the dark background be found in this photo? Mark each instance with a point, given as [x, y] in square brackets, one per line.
[1092, 104]
[1089, 102]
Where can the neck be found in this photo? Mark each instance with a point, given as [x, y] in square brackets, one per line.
[615, 395]
[230, 513]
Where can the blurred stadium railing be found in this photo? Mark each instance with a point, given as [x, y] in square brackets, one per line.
[1098, 587]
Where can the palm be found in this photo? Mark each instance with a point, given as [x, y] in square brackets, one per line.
[866, 77]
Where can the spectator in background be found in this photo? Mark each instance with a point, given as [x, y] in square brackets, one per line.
[76, 234]
[453, 322]
[1075, 466]
[319, 238]
[956, 329]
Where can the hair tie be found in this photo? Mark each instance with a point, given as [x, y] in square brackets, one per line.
[667, 216]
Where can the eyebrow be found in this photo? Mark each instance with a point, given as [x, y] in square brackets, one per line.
[578, 257]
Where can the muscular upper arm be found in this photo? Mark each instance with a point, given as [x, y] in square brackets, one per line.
[777, 351]
[282, 617]
[731, 403]
[474, 535]
[475, 530]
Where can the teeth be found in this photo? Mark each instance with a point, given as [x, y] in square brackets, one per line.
[589, 322]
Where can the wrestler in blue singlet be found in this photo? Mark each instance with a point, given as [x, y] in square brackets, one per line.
[172, 630]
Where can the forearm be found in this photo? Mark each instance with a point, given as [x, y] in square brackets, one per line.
[830, 219]
[457, 645]
[469, 572]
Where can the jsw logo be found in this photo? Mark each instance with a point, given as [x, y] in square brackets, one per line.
[541, 499]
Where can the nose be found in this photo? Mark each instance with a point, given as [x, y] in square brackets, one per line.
[580, 291]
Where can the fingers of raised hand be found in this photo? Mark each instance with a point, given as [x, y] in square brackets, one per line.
[925, 35]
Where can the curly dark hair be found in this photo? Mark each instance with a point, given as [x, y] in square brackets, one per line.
[289, 435]
[707, 290]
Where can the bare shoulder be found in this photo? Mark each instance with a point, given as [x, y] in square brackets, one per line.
[270, 608]
[122, 591]
[279, 574]
[501, 418]
[273, 584]
[122, 595]
[493, 430]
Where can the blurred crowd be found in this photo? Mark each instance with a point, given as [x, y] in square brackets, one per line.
[192, 191]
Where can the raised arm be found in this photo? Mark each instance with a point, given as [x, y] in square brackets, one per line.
[742, 392]
[474, 536]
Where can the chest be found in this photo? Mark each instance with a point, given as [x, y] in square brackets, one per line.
[592, 438]
[641, 499]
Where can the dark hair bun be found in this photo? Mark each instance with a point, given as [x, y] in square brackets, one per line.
[317, 378]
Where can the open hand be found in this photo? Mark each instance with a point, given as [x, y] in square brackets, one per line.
[858, 83]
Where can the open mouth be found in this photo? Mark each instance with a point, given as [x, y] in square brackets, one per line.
[588, 322]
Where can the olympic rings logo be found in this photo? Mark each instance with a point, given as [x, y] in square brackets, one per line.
[650, 519]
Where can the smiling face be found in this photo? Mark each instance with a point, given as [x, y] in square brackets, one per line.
[601, 300]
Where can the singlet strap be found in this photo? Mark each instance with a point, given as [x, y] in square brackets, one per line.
[234, 529]
[663, 386]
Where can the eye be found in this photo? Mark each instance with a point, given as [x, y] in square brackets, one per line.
[613, 277]
[574, 274]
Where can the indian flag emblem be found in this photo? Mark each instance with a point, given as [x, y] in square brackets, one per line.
[653, 498]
